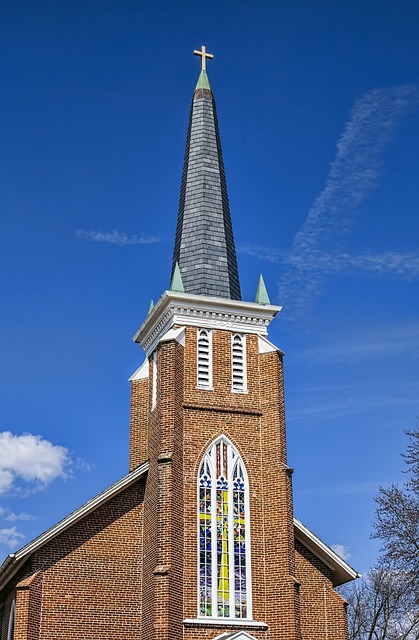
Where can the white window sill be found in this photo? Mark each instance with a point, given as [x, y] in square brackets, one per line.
[225, 622]
[204, 388]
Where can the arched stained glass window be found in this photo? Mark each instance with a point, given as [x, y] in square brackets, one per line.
[224, 549]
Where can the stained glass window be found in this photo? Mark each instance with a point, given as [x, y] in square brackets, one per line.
[224, 552]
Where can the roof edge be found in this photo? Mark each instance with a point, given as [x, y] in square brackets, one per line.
[341, 571]
[14, 561]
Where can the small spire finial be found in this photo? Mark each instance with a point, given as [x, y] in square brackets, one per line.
[262, 296]
[204, 55]
[177, 284]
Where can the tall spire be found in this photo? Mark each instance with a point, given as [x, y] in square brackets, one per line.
[204, 245]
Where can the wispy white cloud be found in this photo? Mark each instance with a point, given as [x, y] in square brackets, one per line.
[30, 461]
[270, 254]
[376, 343]
[10, 516]
[116, 237]
[14, 517]
[313, 406]
[387, 263]
[342, 551]
[11, 537]
[396, 263]
[353, 174]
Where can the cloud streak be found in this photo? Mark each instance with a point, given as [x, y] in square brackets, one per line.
[366, 345]
[397, 263]
[314, 405]
[353, 174]
[116, 237]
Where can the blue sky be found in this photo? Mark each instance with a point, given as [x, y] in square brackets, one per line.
[318, 103]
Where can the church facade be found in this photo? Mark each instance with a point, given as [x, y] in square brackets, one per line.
[198, 541]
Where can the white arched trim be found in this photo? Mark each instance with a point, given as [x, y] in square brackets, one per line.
[224, 563]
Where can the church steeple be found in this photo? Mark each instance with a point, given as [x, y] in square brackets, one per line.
[204, 245]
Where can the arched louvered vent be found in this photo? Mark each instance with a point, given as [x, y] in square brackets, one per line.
[204, 359]
[238, 363]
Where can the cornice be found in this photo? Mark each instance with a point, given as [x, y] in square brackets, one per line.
[185, 309]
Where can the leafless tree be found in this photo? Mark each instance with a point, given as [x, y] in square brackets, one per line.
[382, 606]
[385, 604]
[397, 516]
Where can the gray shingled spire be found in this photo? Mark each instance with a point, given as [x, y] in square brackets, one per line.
[204, 245]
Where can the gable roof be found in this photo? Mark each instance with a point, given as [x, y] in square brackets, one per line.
[14, 561]
[341, 571]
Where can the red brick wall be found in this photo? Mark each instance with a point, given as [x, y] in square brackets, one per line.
[323, 611]
[184, 423]
[28, 607]
[138, 449]
[92, 574]
[163, 506]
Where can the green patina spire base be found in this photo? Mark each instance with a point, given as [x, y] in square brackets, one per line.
[203, 82]
[177, 284]
[151, 307]
[261, 293]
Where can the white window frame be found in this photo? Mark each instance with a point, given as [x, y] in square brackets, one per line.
[233, 458]
[207, 333]
[11, 623]
[154, 382]
[241, 338]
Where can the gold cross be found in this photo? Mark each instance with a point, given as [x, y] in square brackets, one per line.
[204, 55]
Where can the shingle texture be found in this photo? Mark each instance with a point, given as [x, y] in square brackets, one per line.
[204, 245]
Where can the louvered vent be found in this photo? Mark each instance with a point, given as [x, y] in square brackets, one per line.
[204, 359]
[238, 363]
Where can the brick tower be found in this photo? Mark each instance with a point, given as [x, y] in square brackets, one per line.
[208, 413]
[198, 541]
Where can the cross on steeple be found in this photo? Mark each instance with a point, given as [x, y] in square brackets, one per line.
[204, 55]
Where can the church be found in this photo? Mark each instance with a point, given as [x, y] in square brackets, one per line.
[198, 541]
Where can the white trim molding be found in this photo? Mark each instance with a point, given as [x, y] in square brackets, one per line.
[141, 373]
[184, 309]
[225, 622]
